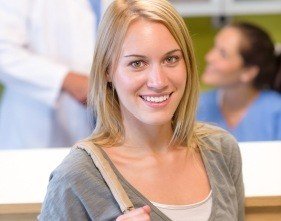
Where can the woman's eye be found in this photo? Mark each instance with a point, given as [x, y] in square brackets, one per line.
[172, 59]
[223, 54]
[137, 64]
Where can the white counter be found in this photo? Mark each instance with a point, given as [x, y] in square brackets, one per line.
[24, 174]
[261, 168]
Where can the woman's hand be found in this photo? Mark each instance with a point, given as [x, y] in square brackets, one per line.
[140, 214]
[76, 85]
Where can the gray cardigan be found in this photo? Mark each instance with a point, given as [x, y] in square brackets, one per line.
[77, 191]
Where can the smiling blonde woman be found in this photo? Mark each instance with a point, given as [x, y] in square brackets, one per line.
[144, 92]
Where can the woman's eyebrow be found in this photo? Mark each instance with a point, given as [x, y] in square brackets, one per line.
[135, 55]
[172, 51]
[143, 57]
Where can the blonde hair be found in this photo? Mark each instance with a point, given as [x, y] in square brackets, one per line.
[109, 130]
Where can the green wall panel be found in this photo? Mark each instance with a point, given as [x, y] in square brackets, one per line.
[1, 90]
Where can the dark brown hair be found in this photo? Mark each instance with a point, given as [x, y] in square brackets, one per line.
[257, 49]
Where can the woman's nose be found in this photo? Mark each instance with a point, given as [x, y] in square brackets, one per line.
[157, 78]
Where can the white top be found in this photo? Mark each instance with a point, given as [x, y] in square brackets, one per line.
[37, 51]
[200, 211]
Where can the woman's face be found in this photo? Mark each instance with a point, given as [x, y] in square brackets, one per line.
[224, 63]
[151, 75]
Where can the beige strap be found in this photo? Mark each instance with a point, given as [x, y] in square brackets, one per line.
[108, 174]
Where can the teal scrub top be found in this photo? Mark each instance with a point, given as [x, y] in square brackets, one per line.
[262, 121]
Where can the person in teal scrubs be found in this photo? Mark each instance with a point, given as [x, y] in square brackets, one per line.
[244, 68]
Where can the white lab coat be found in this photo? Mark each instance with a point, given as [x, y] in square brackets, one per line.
[40, 41]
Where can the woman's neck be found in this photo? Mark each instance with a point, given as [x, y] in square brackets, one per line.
[141, 137]
[237, 98]
[235, 102]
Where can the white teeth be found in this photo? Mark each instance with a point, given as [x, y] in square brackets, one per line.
[155, 99]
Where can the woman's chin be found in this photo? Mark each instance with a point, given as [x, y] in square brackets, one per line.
[157, 121]
[210, 81]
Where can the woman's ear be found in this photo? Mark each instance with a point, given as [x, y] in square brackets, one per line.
[108, 77]
[249, 74]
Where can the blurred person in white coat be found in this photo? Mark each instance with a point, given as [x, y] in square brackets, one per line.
[46, 49]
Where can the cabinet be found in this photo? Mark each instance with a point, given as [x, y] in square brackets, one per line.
[188, 8]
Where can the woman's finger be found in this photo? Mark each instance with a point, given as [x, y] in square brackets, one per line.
[142, 213]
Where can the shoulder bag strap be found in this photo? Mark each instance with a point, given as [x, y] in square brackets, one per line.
[108, 174]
